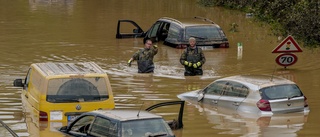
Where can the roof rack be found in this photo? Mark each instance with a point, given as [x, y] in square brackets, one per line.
[171, 19]
[204, 19]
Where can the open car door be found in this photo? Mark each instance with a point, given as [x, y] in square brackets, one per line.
[125, 26]
[174, 124]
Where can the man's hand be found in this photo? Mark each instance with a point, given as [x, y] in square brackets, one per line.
[189, 64]
[196, 65]
[129, 62]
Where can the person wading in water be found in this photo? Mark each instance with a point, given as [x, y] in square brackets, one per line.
[192, 58]
[144, 57]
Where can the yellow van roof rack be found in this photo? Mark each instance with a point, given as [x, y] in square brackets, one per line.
[51, 68]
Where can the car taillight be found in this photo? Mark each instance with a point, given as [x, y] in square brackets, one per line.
[181, 46]
[264, 105]
[43, 116]
[224, 45]
[305, 101]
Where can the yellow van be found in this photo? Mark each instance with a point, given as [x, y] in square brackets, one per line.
[62, 91]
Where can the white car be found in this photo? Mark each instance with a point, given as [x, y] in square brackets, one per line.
[260, 95]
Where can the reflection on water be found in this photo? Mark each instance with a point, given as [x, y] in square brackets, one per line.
[234, 123]
[53, 6]
[73, 30]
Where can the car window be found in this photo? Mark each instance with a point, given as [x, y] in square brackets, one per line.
[77, 90]
[280, 92]
[151, 127]
[154, 30]
[203, 32]
[174, 33]
[27, 79]
[103, 127]
[215, 88]
[164, 30]
[82, 125]
[236, 90]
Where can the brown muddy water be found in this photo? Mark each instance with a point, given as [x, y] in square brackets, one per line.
[84, 30]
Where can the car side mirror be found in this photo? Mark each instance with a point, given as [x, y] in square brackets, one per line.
[63, 129]
[136, 31]
[18, 83]
[200, 96]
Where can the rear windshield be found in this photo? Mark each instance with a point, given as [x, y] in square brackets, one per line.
[203, 32]
[281, 92]
[144, 127]
[77, 90]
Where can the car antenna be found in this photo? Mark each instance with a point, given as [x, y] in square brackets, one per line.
[274, 70]
[140, 109]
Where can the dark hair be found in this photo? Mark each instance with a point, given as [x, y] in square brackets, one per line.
[145, 40]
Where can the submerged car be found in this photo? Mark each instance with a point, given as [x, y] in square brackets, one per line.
[124, 123]
[60, 91]
[176, 32]
[261, 95]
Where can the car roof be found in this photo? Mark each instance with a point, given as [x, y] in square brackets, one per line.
[258, 81]
[195, 21]
[54, 68]
[125, 115]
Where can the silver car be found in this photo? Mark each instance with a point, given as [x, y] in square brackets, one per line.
[124, 123]
[261, 95]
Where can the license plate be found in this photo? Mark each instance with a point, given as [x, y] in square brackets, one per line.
[56, 115]
[72, 117]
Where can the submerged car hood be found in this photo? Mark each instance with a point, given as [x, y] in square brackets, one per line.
[191, 95]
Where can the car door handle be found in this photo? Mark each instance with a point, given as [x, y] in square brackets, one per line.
[236, 103]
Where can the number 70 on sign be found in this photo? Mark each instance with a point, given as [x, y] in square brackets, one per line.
[286, 59]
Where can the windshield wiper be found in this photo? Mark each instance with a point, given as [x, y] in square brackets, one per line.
[62, 100]
[199, 37]
[158, 135]
[294, 96]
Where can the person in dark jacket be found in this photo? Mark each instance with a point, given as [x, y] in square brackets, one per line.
[144, 57]
[192, 58]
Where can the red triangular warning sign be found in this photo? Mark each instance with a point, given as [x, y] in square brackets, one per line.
[287, 45]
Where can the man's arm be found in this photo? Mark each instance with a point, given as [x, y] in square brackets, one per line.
[183, 57]
[203, 58]
[135, 56]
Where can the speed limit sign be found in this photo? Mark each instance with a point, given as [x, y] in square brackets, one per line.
[286, 59]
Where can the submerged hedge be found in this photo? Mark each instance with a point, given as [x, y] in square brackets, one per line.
[299, 18]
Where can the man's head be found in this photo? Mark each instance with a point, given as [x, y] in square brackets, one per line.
[148, 44]
[192, 42]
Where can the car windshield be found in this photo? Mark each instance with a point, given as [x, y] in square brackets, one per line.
[77, 90]
[203, 32]
[280, 92]
[146, 127]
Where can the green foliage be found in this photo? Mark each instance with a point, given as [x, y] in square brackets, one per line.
[234, 27]
[299, 18]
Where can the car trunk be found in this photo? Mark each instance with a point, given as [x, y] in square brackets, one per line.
[287, 105]
[285, 98]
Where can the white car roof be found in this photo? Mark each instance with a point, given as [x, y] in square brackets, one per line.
[126, 115]
[55, 68]
[257, 82]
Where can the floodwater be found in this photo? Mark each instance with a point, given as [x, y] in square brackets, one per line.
[84, 30]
